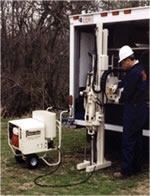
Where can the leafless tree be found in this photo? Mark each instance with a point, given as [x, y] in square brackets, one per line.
[35, 52]
[110, 5]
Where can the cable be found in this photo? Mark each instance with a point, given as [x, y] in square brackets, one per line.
[105, 75]
[99, 102]
[63, 185]
[57, 108]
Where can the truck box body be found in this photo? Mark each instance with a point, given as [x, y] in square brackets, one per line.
[125, 27]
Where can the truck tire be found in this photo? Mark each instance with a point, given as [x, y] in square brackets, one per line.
[19, 159]
[32, 161]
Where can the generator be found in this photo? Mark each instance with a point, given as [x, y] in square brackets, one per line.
[29, 137]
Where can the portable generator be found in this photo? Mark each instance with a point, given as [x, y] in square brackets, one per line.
[30, 136]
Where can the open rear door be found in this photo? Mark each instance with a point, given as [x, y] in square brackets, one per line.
[91, 39]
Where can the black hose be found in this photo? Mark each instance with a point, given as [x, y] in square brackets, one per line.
[105, 75]
[95, 67]
[63, 185]
[59, 108]
[94, 77]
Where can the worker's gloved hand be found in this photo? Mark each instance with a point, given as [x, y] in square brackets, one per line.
[114, 88]
[120, 90]
[117, 100]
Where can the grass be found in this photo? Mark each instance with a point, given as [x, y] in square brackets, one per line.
[18, 180]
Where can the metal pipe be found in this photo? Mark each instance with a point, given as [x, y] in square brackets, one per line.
[53, 164]
[92, 149]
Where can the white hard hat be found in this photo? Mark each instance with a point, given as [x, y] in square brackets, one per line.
[125, 52]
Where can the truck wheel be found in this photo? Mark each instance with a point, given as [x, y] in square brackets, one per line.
[32, 161]
[19, 158]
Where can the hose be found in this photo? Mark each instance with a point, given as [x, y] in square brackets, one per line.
[56, 108]
[62, 185]
[105, 75]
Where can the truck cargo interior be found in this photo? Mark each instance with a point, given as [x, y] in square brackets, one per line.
[132, 33]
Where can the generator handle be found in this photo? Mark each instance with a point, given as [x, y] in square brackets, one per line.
[53, 164]
[60, 127]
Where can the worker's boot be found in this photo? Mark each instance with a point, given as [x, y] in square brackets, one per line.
[119, 175]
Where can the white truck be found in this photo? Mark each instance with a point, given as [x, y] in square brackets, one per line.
[92, 101]
[128, 26]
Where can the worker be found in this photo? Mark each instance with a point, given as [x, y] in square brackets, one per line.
[134, 115]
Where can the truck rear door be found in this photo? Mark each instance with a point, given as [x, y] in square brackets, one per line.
[83, 38]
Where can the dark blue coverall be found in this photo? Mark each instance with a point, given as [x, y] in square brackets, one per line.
[134, 116]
